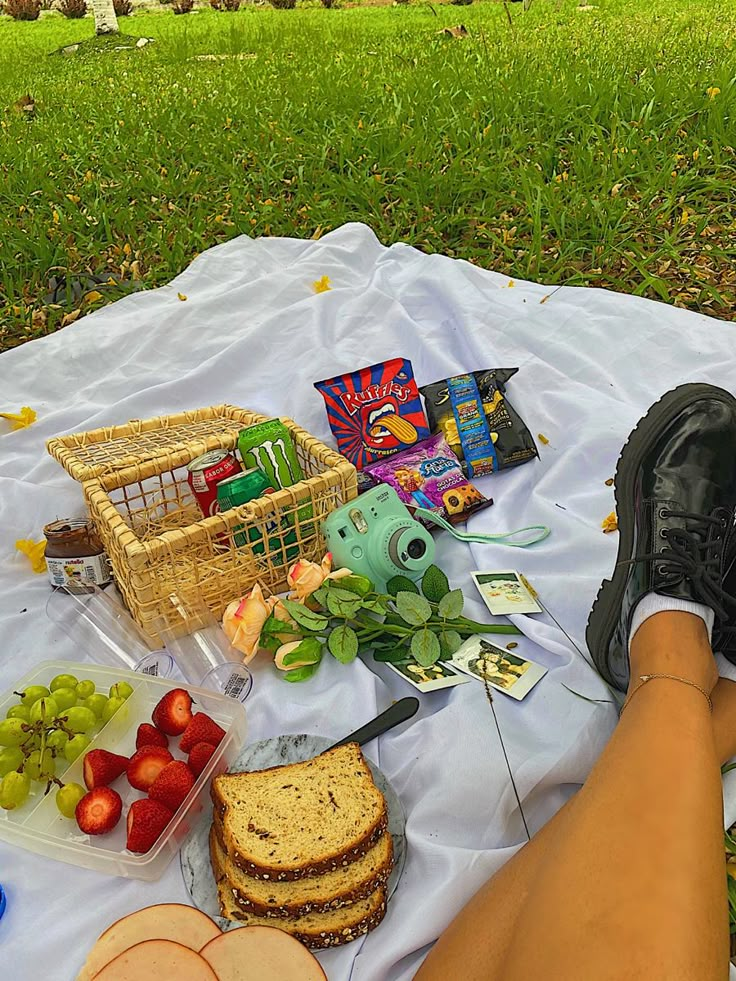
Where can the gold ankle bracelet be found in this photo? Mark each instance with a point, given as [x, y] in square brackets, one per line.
[644, 678]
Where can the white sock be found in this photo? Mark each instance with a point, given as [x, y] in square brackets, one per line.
[725, 668]
[655, 603]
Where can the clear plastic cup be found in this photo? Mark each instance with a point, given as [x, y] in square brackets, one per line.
[104, 629]
[200, 648]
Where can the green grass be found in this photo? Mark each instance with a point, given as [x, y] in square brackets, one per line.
[567, 146]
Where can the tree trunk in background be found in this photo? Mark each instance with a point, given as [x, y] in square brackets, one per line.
[105, 20]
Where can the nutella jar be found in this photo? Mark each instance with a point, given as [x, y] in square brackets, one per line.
[74, 555]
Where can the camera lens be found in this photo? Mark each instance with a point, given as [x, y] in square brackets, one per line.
[416, 548]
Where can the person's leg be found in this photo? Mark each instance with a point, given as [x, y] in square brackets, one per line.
[482, 933]
[724, 719]
[635, 888]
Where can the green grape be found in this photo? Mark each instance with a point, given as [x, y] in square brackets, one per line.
[14, 789]
[19, 712]
[13, 732]
[75, 747]
[40, 765]
[57, 740]
[10, 759]
[67, 798]
[79, 719]
[96, 703]
[63, 681]
[32, 694]
[65, 698]
[85, 689]
[113, 704]
[121, 689]
[44, 710]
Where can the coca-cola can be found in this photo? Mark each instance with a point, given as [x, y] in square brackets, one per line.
[206, 472]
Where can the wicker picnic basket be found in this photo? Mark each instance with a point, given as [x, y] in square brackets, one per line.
[134, 479]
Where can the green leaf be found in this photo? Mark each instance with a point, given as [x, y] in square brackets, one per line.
[450, 641]
[270, 643]
[343, 644]
[435, 584]
[425, 648]
[301, 674]
[274, 626]
[451, 604]
[305, 617]
[342, 603]
[320, 595]
[377, 603]
[392, 619]
[392, 654]
[310, 649]
[401, 584]
[360, 585]
[415, 609]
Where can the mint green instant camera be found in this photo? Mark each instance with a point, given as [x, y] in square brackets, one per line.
[376, 536]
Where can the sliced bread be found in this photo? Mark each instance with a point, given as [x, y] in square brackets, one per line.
[312, 894]
[315, 930]
[301, 819]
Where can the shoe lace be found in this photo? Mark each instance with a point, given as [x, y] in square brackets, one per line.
[695, 553]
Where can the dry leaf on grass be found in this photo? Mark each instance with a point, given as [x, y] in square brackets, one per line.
[457, 32]
[69, 318]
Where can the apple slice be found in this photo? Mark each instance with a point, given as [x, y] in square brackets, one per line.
[157, 958]
[260, 953]
[167, 921]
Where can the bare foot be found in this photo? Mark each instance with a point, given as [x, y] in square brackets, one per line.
[673, 643]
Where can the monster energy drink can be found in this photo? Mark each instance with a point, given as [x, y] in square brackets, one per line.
[269, 446]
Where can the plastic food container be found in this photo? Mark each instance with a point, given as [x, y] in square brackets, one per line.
[39, 827]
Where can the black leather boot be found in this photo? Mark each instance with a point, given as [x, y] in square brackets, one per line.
[675, 492]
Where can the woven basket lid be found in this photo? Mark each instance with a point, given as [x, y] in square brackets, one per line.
[86, 456]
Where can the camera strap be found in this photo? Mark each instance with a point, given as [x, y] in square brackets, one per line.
[533, 533]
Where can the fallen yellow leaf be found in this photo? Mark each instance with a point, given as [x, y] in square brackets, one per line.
[543, 439]
[19, 420]
[74, 198]
[182, 296]
[713, 91]
[321, 285]
[34, 551]
[69, 318]
[610, 523]
[93, 296]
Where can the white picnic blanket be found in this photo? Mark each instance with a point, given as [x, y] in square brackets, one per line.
[252, 332]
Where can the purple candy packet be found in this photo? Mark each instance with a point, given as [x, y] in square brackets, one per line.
[429, 475]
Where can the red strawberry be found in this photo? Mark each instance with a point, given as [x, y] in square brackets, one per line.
[172, 784]
[99, 811]
[146, 820]
[200, 757]
[201, 730]
[149, 735]
[101, 767]
[146, 764]
[174, 712]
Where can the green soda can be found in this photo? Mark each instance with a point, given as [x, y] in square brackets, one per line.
[269, 446]
[244, 487]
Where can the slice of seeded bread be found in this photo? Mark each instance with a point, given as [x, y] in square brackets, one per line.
[302, 819]
[312, 894]
[315, 930]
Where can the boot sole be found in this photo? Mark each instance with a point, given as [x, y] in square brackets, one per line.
[606, 611]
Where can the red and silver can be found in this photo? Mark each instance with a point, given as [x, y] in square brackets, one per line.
[206, 472]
